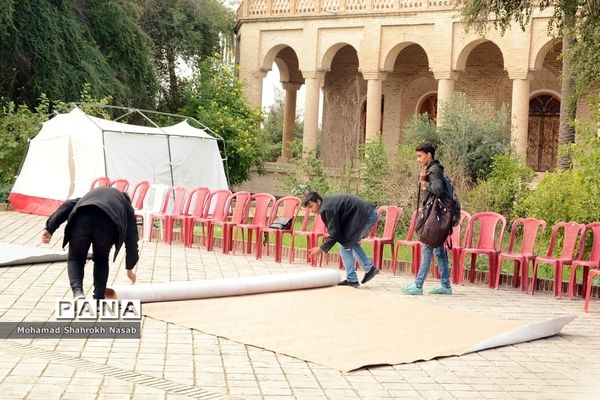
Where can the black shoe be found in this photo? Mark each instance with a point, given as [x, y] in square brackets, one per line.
[346, 283]
[371, 274]
[78, 294]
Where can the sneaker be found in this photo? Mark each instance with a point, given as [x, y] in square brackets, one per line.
[441, 290]
[346, 283]
[370, 275]
[78, 294]
[412, 289]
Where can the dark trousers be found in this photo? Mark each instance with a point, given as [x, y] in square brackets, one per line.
[90, 227]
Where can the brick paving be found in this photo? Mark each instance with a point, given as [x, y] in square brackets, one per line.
[171, 362]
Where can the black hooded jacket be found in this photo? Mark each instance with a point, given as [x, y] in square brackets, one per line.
[436, 183]
[116, 205]
[345, 216]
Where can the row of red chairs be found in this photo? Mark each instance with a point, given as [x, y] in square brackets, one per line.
[251, 216]
[484, 236]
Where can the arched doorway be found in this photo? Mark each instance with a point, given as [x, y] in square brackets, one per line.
[542, 138]
[428, 106]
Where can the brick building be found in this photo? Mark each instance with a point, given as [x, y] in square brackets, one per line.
[378, 62]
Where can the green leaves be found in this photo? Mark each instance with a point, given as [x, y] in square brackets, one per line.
[214, 98]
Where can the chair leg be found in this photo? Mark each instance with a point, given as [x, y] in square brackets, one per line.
[588, 294]
[493, 271]
[558, 280]
[572, 282]
[524, 275]
[472, 270]
[534, 282]
[278, 246]
[497, 276]
[586, 271]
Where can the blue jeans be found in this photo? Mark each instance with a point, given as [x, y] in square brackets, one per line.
[349, 253]
[442, 259]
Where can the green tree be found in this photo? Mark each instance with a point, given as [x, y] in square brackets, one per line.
[183, 31]
[56, 46]
[114, 25]
[214, 97]
[576, 21]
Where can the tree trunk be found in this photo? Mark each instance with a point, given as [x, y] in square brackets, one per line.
[173, 101]
[568, 105]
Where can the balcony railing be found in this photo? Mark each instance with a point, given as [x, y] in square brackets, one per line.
[278, 8]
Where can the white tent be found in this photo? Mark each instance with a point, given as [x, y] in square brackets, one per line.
[73, 149]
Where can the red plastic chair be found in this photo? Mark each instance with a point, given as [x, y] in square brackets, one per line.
[120, 184]
[139, 194]
[99, 182]
[214, 211]
[571, 232]
[392, 213]
[258, 211]
[593, 261]
[172, 207]
[489, 242]
[195, 204]
[415, 246]
[287, 206]
[456, 244]
[236, 207]
[317, 230]
[588, 292]
[530, 228]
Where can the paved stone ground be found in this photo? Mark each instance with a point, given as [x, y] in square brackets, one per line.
[171, 362]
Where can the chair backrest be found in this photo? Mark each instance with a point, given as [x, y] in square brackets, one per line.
[489, 237]
[392, 213]
[456, 238]
[120, 184]
[594, 254]
[154, 199]
[98, 182]
[139, 194]
[529, 228]
[258, 208]
[570, 237]
[173, 201]
[195, 203]
[287, 206]
[411, 227]
[240, 201]
[215, 205]
[319, 226]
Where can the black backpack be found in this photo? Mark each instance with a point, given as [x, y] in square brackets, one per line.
[455, 202]
[438, 217]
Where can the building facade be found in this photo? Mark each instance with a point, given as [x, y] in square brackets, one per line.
[378, 62]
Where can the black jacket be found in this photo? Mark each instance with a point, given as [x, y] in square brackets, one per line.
[116, 205]
[436, 183]
[345, 216]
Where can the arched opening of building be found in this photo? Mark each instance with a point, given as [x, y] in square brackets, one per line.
[344, 93]
[428, 105]
[542, 142]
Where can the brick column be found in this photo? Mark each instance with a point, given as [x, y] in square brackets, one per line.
[289, 120]
[374, 90]
[256, 86]
[446, 81]
[520, 114]
[312, 80]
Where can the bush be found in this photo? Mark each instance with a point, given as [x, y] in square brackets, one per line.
[469, 138]
[506, 185]
[572, 195]
[18, 124]
[308, 174]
